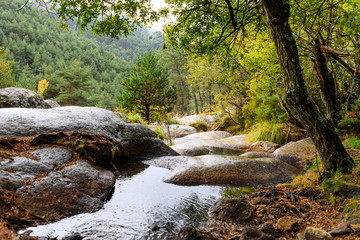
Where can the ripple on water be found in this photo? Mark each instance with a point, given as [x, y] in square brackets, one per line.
[142, 207]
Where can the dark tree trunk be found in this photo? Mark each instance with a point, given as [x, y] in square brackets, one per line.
[333, 155]
[147, 113]
[354, 93]
[327, 85]
[196, 102]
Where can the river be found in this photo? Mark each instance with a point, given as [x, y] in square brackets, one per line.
[142, 207]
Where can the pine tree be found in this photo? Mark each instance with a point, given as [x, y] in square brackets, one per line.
[73, 84]
[147, 90]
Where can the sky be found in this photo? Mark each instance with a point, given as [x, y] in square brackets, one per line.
[157, 5]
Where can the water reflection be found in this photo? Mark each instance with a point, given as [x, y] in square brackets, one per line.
[142, 207]
[224, 151]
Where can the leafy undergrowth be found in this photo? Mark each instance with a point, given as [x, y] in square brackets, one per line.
[314, 204]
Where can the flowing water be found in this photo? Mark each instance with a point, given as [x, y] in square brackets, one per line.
[142, 207]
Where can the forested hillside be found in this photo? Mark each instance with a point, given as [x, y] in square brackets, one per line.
[40, 50]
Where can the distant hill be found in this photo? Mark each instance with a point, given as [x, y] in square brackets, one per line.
[39, 49]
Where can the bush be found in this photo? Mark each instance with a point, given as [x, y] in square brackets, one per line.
[200, 126]
[136, 118]
[173, 122]
[351, 125]
[160, 133]
[352, 142]
[266, 131]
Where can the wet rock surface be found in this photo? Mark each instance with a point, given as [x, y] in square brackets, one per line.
[77, 188]
[21, 98]
[53, 184]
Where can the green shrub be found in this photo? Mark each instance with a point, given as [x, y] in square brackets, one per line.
[235, 192]
[136, 118]
[266, 131]
[200, 126]
[352, 142]
[160, 133]
[173, 122]
[351, 125]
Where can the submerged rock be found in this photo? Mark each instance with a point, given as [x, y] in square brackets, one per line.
[21, 98]
[225, 170]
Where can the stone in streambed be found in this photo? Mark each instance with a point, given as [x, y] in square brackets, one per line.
[74, 189]
[225, 170]
[235, 209]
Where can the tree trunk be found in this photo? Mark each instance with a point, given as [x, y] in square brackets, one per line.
[147, 113]
[196, 102]
[327, 85]
[354, 93]
[333, 155]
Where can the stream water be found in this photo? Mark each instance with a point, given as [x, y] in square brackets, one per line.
[142, 207]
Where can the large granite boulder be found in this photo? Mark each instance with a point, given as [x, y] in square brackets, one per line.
[54, 183]
[94, 132]
[190, 144]
[225, 170]
[294, 152]
[209, 119]
[21, 98]
[204, 139]
[178, 131]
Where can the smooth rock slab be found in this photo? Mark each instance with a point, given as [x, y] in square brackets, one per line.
[178, 131]
[128, 140]
[264, 146]
[225, 170]
[21, 98]
[236, 142]
[188, 150]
